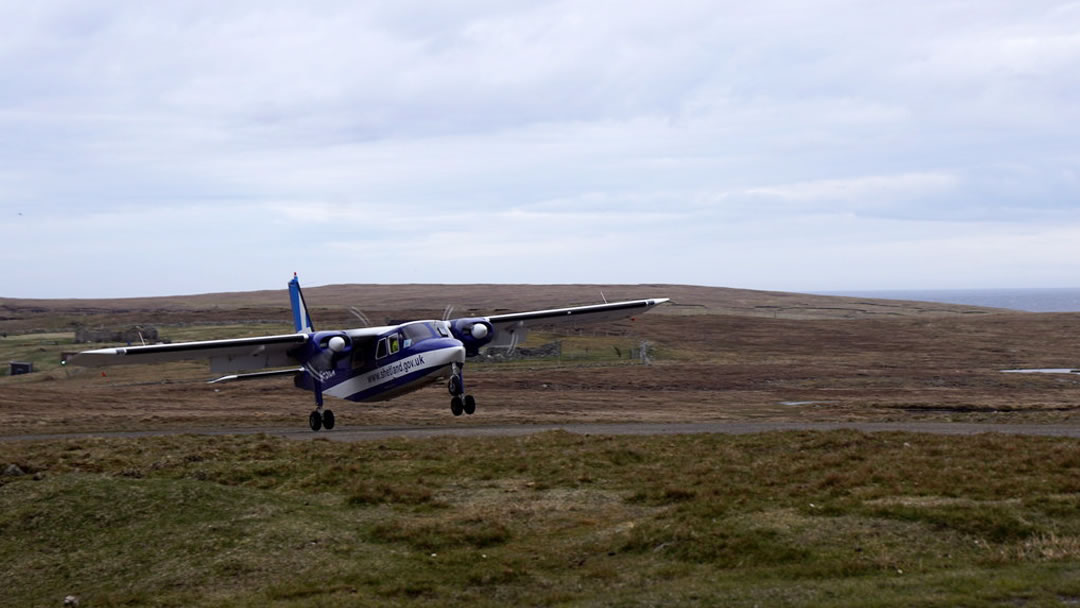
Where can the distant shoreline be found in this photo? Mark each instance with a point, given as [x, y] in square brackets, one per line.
[1049, 299]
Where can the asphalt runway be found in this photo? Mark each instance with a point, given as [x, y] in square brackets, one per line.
[373, 433]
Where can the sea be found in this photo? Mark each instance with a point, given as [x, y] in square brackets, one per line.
[1064, 299]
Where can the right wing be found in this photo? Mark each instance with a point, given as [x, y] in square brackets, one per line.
[225, 355]
[511, 329]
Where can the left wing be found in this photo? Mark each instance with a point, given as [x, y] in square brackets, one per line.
[225, 355]
[511, 329]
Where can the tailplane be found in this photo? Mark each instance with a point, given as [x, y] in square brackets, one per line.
[301, 318]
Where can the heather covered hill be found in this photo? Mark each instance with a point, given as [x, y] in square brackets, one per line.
[329, 303]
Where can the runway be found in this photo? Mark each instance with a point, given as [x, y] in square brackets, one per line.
[372, 433]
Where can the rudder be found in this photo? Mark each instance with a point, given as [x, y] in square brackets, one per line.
[301, 318]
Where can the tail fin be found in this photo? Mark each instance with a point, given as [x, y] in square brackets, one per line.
[301, 319]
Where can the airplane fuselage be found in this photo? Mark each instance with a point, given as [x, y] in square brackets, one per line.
[399, 360]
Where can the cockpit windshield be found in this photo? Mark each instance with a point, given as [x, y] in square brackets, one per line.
[416, 332]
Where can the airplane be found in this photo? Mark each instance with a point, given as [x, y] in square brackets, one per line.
[368, 363]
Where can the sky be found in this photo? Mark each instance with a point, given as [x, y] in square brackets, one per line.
[158, 148]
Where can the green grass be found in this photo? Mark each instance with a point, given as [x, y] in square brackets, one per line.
[45, 350]
[833, 519]
[42, 349]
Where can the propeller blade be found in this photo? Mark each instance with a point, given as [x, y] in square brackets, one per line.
[449, 310]
[359, 314]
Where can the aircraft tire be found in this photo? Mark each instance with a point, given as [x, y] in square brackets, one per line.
[315, 420]
[456, 406]
[470, 405]
[328, 419]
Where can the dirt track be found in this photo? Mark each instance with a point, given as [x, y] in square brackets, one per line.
[736, 428]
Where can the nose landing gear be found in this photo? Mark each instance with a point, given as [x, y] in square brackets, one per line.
[459, 401]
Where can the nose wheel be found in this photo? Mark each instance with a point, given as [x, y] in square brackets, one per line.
[460, 403]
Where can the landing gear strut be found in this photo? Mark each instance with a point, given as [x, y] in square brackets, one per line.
[320, 418]
[459, 401]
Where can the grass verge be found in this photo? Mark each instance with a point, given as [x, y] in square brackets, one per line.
[833, 519]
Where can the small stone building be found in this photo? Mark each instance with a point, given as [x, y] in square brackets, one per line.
[21, 367]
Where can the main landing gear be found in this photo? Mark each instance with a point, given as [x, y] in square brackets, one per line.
[320, 418]
[459, 401]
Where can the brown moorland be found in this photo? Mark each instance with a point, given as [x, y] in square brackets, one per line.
[717, 355]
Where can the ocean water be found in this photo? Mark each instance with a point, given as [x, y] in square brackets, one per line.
[1032, 300]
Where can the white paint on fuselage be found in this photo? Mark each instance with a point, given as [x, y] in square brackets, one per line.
[432, 362]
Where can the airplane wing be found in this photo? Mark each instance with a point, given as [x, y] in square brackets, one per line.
[511, 329]
[225, 355]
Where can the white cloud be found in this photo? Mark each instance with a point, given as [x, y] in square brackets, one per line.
[868, 190]
[269, 134]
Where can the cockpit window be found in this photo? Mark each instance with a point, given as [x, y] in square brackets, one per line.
[416, 332]
[395, 345]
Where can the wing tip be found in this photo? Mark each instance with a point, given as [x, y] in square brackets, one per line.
[94, 358]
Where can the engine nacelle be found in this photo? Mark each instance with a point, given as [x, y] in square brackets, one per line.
[336, 344]
[479, 331]
[323, 349]
[473, 333]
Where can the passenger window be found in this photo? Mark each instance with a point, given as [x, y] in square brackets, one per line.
[380, 350]
[394, 346]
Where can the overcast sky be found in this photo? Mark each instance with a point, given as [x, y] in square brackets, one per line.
[153, 148]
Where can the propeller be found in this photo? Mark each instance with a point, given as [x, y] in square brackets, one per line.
[359, 314]
[325, 357]
[449, 310]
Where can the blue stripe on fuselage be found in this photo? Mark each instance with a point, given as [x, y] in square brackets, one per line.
[394, 368]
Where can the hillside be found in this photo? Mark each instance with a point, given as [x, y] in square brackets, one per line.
[330, 303]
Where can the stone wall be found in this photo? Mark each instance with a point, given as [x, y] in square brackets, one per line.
[551, 350]
[84, 335]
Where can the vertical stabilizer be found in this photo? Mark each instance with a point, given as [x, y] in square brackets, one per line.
[301, 319]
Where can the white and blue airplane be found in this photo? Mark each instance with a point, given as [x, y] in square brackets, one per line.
[368, 363]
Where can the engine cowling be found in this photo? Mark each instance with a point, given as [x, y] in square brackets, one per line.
[472, 333]
[323, 349]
